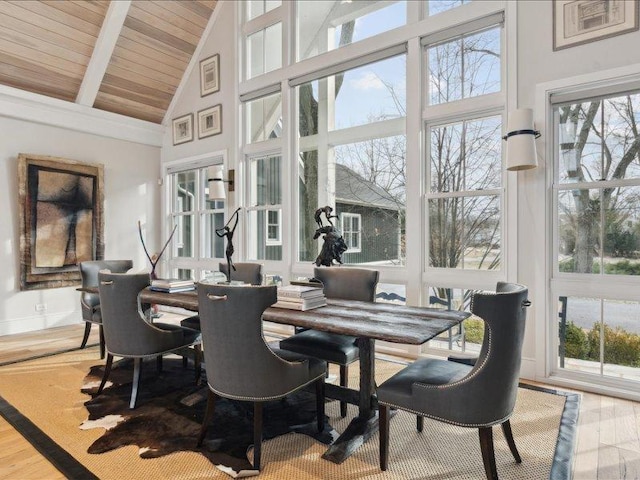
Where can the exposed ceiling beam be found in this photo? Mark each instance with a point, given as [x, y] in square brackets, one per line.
[109, 33]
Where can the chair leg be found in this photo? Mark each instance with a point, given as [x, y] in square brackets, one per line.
[488, 455]
[137, 366]
[419, 422]
[383, 422]
[102, 347]
[320, 403]
[257, 434]
[508, 434]
[344, 380]
[87, 330]
[208, 416]
[107, 371]
[197, 359]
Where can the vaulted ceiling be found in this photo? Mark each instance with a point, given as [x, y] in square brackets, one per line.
[126, 57]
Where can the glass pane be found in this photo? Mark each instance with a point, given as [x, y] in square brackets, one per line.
[391, 293]
[438, 6]
[621, 230]
[273, 47]
[184, 238]
[466, 67]
[464, 232]
[214, 245]
[255, 54]
[465, 337]
[263, 118]
[259, 248]
[185, 200]
[597, 139]
[466, 155]
[325, 25]
[184, 274]
[266, 181]
[307, 204]
[621, 339]
[579, 231]
[578, 334]
[370, 93]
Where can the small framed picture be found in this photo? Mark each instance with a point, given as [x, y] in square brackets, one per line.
[210, 121]
[183, 129]
[210, 75]
[581, 21]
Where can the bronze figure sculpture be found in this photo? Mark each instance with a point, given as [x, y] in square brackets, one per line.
[334, 245]
[228, 232]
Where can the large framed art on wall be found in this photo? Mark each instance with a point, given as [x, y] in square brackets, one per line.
[61, 219]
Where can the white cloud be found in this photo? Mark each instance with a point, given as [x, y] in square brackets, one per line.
[367, 81]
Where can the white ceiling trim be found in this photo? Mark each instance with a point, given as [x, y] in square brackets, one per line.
[193, 62]
[33, 107]
[102, 51]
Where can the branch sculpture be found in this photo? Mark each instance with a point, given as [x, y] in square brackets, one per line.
[155, 261]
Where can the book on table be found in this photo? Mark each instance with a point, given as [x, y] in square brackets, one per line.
[300, 303]
[174, 289]
[171, 283]
[300, 291]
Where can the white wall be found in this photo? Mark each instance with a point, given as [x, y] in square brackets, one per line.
[539, 64]
[131, 193]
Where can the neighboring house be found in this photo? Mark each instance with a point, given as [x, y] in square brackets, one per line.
[369, 219]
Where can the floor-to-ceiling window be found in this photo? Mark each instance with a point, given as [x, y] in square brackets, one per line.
[366, 108]
[595, 318]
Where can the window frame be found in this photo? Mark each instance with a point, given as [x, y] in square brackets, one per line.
[345, 232]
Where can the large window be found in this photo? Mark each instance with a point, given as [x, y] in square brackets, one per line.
[597, 233]
[352, 158]
[264, 209]
[195, 217]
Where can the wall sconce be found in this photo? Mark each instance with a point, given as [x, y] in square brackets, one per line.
[216, 183]
[521, 145]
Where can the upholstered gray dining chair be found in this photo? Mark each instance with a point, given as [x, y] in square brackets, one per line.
[250, 273]
[128, 334]
[478, 396]
[90, 302]
[239, 363]
[342, 283]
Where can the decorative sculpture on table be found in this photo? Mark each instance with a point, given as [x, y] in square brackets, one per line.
[155, 258]
[334, 245]
[226, 231]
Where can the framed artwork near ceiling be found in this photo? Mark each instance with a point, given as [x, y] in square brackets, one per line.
[576, 22]
[61, 219]
[210, 75]
[183, 129]
[210, 121]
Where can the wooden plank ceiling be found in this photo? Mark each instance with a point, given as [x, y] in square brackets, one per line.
[52, 47]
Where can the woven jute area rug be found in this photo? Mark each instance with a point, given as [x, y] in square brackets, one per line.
[45, 395]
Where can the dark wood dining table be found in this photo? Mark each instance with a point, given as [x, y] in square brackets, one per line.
[367, 322]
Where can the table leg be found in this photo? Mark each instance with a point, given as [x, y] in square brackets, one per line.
[365, 425]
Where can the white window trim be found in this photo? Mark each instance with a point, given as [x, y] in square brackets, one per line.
[278, 224]
[347, 215]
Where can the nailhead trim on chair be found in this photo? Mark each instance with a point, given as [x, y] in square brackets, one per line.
[260, 399]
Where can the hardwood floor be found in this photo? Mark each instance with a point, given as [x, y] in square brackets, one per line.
[608, 442]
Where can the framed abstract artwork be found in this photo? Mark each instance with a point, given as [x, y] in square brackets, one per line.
[210, 75]
[183, 129]
[576, 22]
[61, 219]
[210, 121]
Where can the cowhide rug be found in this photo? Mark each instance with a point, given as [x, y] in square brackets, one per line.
[169, 413]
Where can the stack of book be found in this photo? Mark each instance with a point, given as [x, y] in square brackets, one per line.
[300, 297]
[172, 285]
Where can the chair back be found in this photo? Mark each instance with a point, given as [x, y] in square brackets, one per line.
[347, 283]
[240, 364]
[493, 381]
[89, 273]
[126, 331]
[250, 273]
